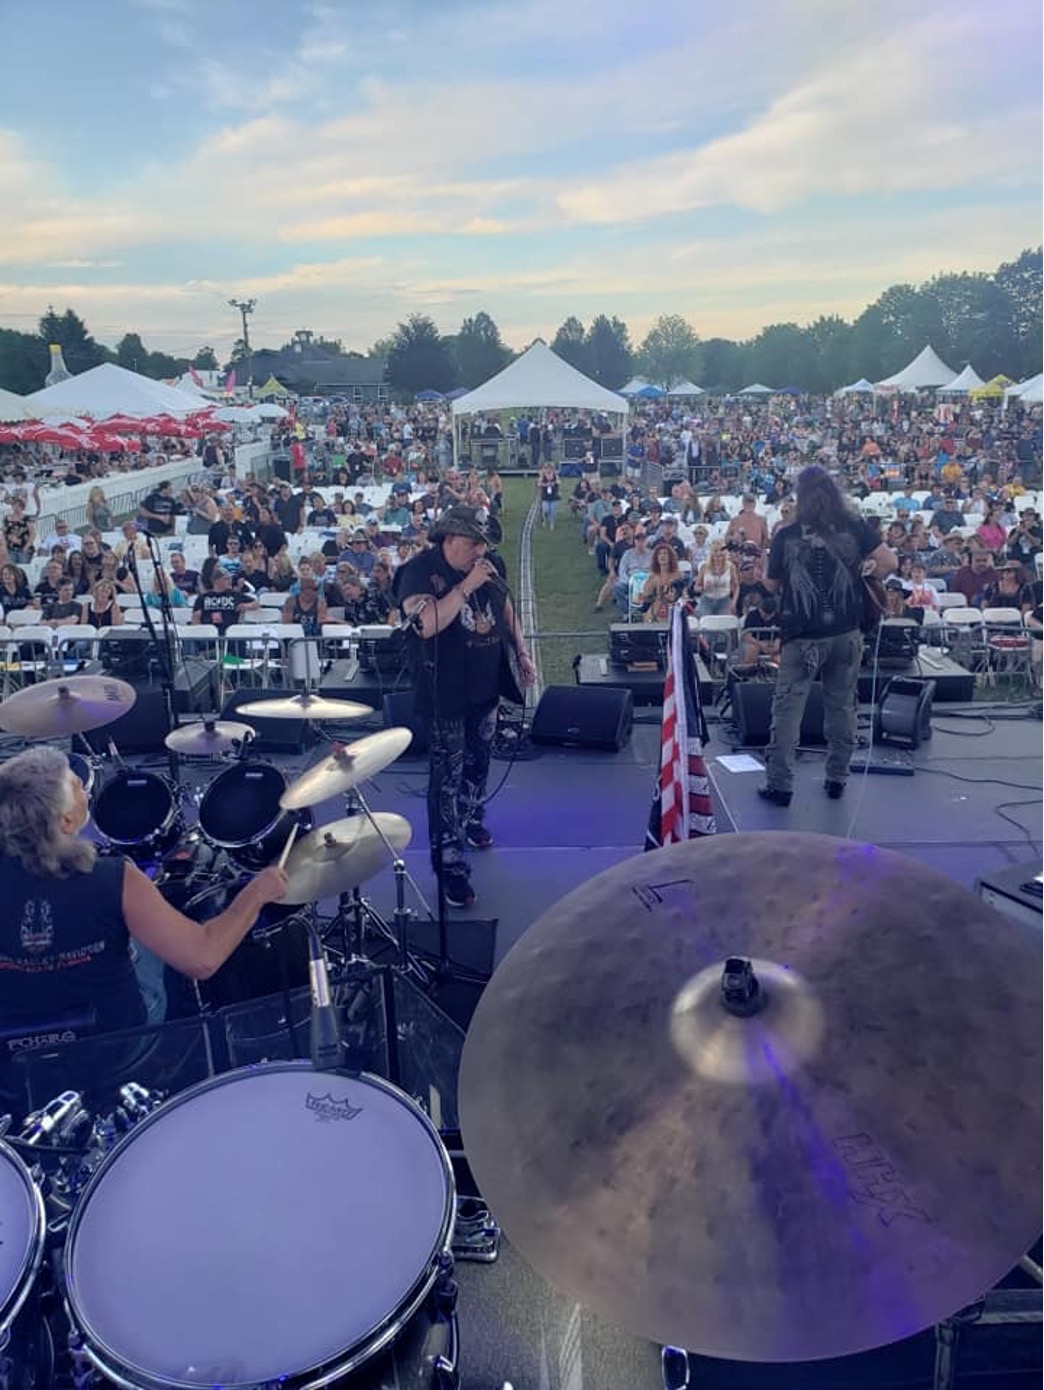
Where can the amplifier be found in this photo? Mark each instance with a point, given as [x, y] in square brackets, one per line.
[1016, 892]
[639, 644]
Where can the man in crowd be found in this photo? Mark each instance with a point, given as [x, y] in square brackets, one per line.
[221, 605]
[158, 509]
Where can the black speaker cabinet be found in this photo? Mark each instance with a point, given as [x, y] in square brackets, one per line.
[904, 716]
[399, 713]
[143, 728]
[273, 735]
[584, 716]
[752, 708]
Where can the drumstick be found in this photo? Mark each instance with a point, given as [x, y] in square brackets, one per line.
[289, 844]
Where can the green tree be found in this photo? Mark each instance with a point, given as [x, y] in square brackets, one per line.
[79, 349]
[420, 358]
[132, 353]
[162, 365]
[1022, 283]
[670, 352]
[24, 361]
[976, 318]
[479, 350]
[570, 343]
[382, 348]
[781, 355]
[892, 330]
[723, 365]
[205, 360]
[830, 365]
[608, 351]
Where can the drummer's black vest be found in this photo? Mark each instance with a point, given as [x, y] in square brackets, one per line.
[65, 950]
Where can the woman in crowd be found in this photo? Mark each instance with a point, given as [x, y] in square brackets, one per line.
[104, 611]
[716, 585]
[381, 588]
[992, 532]
[19, 533]
[714, 511]
[165, 584]
[15, 593]
[547, 492]
[699, 551]
[280, 572]
[203, 510]
[76, 570]
[99, 514]
[664, 585]
[117, 575]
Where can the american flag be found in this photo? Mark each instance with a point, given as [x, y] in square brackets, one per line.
[230, 380]
[681, 806]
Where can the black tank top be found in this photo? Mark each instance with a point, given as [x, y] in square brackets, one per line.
[65, 950]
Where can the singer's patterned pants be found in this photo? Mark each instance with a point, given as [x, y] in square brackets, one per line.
[458, 770]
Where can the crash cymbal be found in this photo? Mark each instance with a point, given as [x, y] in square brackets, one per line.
[210, 737]
[341, 855]
[69, 705]
[852, 1162]
[345, 768]
[306, 707]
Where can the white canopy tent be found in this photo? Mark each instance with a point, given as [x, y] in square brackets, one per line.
[862, 387]
[636, 384]
[968, 379]
[686, 388]
[756, 389]
[13, 407]
[111, 390]
[1030, 392]
[539, 379]
[925, 371]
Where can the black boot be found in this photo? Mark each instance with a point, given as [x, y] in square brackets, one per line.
[777, 797]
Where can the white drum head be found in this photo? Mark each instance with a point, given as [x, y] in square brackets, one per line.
[263, 1225]
[21, 1232]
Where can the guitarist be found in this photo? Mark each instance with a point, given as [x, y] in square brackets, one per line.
[816, 567]
[463, 622]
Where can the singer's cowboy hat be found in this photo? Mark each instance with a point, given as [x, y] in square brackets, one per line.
[460, 521]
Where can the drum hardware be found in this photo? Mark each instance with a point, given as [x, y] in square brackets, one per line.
[476, 1236]
[843, 1134]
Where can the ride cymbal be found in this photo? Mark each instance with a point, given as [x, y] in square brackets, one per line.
[69, 705]
[210, 737]
[341, 855]
[345, 768]
[827, 1153]
[306, 707]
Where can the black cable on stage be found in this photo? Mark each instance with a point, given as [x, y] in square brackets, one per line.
[1003, 806]
[980, 781]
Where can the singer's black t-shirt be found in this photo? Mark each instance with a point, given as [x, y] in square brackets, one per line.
[462, 663]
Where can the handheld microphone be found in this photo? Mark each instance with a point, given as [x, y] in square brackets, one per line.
[327, 1049]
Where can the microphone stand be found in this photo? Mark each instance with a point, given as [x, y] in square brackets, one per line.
[162, 648]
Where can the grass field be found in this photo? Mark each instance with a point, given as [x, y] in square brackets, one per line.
[566, 583]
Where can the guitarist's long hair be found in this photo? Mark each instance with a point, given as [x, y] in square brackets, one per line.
[819, 503]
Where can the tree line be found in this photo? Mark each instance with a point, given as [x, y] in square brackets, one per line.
[992, 320]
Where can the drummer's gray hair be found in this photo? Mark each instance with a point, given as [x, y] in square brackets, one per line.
[35, 792]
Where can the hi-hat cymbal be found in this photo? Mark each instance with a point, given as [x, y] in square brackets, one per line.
[843, 1168]
[211, 737]
[306, 707]
[69, 705]
[342, 855]
[345, 768]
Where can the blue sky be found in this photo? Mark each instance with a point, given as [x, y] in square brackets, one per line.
[348, 163]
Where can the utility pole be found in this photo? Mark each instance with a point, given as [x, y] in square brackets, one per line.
[246, 307]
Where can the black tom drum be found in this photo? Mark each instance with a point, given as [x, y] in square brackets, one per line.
[240, 813]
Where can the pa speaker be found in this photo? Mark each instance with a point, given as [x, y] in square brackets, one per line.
[904, 716]
[399, 713]
[273, 735]
[143, 728]
[584, 716]
[752, 708]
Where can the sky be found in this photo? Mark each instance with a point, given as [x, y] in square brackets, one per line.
[346, 164]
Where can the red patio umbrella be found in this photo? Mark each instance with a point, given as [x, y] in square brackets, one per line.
[121, 424]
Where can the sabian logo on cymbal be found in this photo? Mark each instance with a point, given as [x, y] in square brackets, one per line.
[326, 1108]
[874, 1181]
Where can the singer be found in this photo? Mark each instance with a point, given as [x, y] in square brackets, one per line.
[65, 931]
[464, 625]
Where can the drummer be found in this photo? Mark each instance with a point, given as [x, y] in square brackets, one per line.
[69, 916]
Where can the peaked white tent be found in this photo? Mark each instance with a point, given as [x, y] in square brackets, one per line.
[13, 407]
[968, 379]
[111, 390]
[636, 384]
[756, 390]
[686, 388]
[926, 370]
[1030, 391]
[862, 387]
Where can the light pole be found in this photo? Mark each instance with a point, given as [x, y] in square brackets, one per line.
[246, 307]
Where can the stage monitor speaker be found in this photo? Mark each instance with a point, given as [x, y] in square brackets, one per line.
[584, 716]
[273, 735]
[399, 713]
[904, 715]
[752, 709]
[143, 728]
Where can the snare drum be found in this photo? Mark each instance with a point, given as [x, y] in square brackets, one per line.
[22, 1228]
[240, 812]
[137, 811]
[275, 1225]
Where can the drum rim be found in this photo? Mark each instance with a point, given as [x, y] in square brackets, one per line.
[33, 1257]
[161, 829]
[258, 834]
[352, 1357]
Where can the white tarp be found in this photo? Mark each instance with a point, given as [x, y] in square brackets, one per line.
[540, 378]
[966, 381]
[862, 387]
[111, 390]
[686, 388]
[13, 407]
[1030, 391]
[926, 370]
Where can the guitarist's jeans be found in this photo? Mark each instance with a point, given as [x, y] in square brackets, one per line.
[457, 783]
[834, 661]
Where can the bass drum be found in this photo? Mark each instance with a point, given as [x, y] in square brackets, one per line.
[240, 812]
[243, 1183]
[137, 812]
[22, 1230]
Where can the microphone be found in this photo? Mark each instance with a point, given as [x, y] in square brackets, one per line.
[327, 1049]
[414, 619]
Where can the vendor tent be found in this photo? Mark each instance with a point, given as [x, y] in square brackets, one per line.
[272, 387]
[1029, 392]
[635, 385]
[994, 389]
[862, 387]
[111, 390]
[925, 371]
[962, 384]
[13, 407]
[686, 388]
[651, 393]
[756, 390]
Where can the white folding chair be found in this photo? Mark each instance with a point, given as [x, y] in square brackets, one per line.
[126, 601]
[965, 637]
[1008, 644]
[720, 631]
[949, 601]
[23, 617]
[634, 589]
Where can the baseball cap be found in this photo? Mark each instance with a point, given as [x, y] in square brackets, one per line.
[461, 520]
